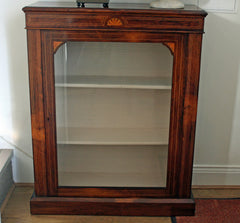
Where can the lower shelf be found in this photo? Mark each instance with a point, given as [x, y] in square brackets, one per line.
[112, 206]
[113, 179]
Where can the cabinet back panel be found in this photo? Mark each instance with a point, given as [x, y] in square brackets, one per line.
[118, 59]
[133, 166]
[112, 108]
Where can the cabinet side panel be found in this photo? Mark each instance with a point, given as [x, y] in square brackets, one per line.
[192, 71]
[37, 111]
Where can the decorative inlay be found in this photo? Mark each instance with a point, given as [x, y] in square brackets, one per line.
[114, 22]
[56, 45]
[170, 46]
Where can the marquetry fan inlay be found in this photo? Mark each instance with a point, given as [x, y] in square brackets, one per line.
[114, 22]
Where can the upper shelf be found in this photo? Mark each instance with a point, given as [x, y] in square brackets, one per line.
[163, 83]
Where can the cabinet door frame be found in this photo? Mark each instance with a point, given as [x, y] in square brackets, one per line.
[186, 49]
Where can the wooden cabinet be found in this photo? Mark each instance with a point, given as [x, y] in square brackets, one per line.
[113, 107]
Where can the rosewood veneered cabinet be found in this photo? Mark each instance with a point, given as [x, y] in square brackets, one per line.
[113, 106]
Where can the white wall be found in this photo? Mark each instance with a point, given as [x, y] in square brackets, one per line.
[217, 153]
[14, 92]
[217, 156]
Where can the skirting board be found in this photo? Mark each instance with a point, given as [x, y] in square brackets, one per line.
[216, 175]
[221, 187]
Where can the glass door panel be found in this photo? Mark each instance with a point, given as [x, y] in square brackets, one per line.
[112, 113]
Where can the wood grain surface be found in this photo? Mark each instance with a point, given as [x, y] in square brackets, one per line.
[181, 30]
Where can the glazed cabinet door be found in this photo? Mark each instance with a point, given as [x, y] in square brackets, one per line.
[113, 113]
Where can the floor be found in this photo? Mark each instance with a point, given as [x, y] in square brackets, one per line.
[17, 209]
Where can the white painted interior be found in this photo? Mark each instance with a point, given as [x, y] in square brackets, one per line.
[217, 156]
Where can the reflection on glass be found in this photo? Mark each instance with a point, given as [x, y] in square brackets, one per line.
[112, 112]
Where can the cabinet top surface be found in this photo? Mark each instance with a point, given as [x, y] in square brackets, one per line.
[131, 7]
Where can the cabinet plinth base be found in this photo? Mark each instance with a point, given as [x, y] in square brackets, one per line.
[112, 206]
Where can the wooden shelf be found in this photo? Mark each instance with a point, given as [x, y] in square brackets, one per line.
[111, 179]
[163, 83]
[112, 136]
